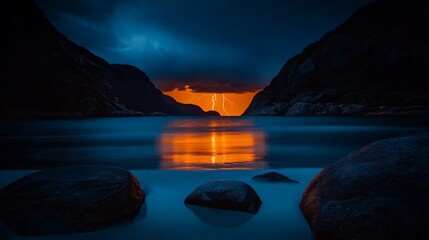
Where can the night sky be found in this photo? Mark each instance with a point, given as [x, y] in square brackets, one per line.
[212, 46]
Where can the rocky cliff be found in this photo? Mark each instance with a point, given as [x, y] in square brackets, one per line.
[43, 74]
[375, 63]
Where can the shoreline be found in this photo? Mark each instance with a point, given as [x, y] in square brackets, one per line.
[165, 216]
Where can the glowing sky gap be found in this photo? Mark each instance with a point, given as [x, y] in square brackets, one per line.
[214, 99]
[132, 34]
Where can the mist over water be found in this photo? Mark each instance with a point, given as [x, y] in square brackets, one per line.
[199, 143]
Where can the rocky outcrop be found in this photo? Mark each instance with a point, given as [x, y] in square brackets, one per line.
[273, 177]
[226, 194]
[378, 192]
[43, 74]
[70, 200]
[375, 63]
[212, 113]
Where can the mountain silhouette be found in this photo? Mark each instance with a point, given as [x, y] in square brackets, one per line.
[375, 63]
[43, 74]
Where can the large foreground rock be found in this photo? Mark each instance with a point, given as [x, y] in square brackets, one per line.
[378, 192]
[70, 199]
[226, 194]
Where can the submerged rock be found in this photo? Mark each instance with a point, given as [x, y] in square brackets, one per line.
[378, 192]
[273, 177]
[70, 200]
[226, 194]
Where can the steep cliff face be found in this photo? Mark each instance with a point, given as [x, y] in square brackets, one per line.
[375, 63]
[43, 74]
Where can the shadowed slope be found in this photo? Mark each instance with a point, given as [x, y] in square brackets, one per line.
[373, 64]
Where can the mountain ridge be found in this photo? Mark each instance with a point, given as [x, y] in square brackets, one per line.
[44, 75]
[372, 64]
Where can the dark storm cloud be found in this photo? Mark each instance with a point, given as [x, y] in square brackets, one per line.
[213, 46]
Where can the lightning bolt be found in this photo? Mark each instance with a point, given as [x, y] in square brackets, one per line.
[214, 98]
[224, 99]
[213, 101]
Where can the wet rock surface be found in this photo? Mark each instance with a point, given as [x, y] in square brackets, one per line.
[226, 194]
[378, 192]
[70, 199]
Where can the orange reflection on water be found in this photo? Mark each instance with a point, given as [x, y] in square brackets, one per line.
[212, 146]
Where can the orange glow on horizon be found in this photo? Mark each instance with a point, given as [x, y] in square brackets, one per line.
[226, 104]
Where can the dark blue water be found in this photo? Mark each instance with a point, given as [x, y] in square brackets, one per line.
[194, 143]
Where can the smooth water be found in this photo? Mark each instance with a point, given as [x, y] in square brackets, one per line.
[165, 216]
[194, 143]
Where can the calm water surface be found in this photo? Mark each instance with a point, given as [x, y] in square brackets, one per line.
[194, 143]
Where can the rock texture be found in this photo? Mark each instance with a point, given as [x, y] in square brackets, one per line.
[43, 74]
[378, 192]
[375, 63]
[70, 200]
[273, 177]
[226, 194]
